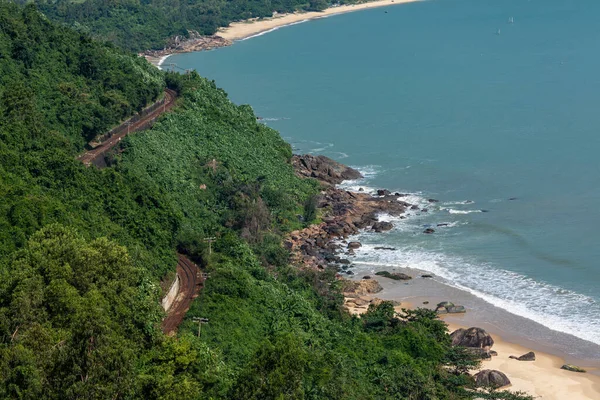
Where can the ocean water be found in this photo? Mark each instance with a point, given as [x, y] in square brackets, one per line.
[489, 106]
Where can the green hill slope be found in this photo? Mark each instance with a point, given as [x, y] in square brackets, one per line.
[82, 250]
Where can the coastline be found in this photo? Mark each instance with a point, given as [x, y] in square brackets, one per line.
[333, 243]
[542, 378]
[247, 29]
[225, 36]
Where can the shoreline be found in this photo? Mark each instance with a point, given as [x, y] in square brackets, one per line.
[246, 29]
[242, 30]
[542, 378]
[333, 241]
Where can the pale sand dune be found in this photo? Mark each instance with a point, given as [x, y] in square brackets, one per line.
[241, 30]
[543, 377]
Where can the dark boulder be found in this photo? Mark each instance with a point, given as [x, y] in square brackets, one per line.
[426, 276]
[472, 337]
[397, 276]
[491, 378]
[429, 231]
[414, 207]
[574, 368]
[354, 245]
[444, 224]
[366, 277]
[433, 201]
[481, 354]
[383, 192]
[385, 248]
[382, 226]
[525, 357]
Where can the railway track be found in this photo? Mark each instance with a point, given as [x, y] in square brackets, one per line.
[96, 155]
[190, 284]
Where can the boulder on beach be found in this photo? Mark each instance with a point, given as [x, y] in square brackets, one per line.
[472, 337]
[482, 354]
[354, 245]
[397, 276]
[445, 304]
[525, 357]
[426, 276]
[362, 287]
[574, 368]
[382, 226]
[491, 378]
[441, 310]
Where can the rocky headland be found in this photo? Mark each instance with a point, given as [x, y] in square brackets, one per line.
[343, 213]
[193, 42]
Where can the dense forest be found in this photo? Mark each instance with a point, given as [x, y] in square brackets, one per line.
[83, 250]
[141, 25]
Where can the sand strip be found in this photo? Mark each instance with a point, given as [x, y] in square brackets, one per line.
[541, 378]
[246, 29]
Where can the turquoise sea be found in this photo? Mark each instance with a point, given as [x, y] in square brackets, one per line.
[486, 105]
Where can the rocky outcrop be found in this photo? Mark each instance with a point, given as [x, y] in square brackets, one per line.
[382, 226]
[397, 276]
[525, 357]
[323, 168]
[354, 245]
[472, 337]
[362, 287]
[193, 42]
[573, 368]
[446, 307]
[491, 378]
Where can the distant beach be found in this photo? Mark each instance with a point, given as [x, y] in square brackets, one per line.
[246, 29]
[255, 27]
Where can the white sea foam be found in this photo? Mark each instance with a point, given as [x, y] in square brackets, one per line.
[453, 211]
[557, 308]
[162, 60]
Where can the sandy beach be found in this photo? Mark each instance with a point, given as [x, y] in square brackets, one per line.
[242, 30]
[541, 378]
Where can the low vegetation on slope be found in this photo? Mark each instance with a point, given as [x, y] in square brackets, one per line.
[82, 250]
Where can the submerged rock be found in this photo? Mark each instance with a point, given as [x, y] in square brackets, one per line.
[491, 378]
[472, 337]
[354, 245]
[385, 248]
[429, 230]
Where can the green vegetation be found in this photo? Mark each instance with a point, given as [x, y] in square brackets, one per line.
[82, 250]
[139, 26]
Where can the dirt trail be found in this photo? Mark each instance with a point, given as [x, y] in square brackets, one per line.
[190, 284]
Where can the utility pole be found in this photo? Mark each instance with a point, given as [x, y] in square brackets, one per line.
[210, 240]
[200, 321]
